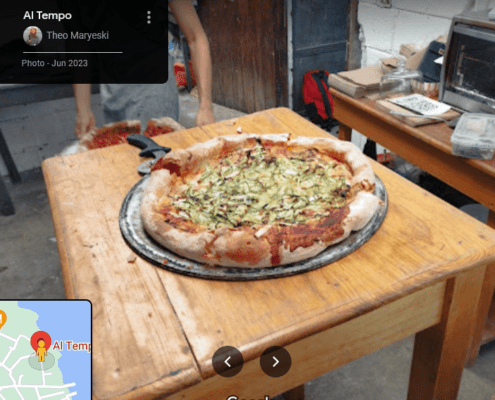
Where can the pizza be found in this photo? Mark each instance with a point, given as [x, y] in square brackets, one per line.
[161, 126]
[257, 201]
[117, 132]
[110, 135]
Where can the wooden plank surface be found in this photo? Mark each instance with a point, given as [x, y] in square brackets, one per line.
[475, 178]
[137, 340]
[395, 261]
[436, 135]
[173, 323]
[489, 328]
[387, 106]
[248, 44]
[484, 330]
[327, 350]
[430, 149]
[440, 352]
[295, 394]
[488, 333]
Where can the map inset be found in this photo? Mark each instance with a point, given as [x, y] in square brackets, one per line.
[45, 350]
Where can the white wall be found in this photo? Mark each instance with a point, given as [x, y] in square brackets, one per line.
[384, 28]
[37, 131]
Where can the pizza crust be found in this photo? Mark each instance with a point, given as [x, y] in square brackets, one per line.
[248, 247]
[166, 122]
[362, 172]
[130, 126]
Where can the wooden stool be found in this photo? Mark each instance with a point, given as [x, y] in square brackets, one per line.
[296, 394]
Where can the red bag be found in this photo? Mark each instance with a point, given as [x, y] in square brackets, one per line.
[317, 99]
[180, 74]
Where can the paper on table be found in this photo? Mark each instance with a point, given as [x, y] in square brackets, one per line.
[421, 104]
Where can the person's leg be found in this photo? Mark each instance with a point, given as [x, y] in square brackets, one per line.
[141, 101]
[114, 100]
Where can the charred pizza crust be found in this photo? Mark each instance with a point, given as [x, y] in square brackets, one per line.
[109, 135]
[160, 126]
[261, 245]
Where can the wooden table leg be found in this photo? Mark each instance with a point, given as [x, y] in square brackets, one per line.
[8, 160]
[295, 394]
[484, 329]
[345, 132]
[440, 352]
[6, 205]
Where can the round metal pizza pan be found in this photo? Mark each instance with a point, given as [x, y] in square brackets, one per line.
[134, 234]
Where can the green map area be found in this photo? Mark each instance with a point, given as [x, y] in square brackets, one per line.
[19, 380]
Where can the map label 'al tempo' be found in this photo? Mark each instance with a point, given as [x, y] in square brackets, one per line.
[70, 345]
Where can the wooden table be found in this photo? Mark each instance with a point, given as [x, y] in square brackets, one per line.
[429, 148]
[155, 332]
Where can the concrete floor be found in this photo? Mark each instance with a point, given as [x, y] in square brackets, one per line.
[30, 269]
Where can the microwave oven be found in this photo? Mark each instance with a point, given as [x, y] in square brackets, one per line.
[468, 71]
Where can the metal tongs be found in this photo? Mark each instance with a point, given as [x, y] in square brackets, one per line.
[150, 149]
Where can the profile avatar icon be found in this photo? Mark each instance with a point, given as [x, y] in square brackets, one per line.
[32, 35]
[41, 352]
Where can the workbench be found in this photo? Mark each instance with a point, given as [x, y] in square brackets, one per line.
[155, 331]
[429, 148]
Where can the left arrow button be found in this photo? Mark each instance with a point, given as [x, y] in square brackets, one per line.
[227, 361]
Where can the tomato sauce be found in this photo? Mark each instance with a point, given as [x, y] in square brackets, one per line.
[304, 235]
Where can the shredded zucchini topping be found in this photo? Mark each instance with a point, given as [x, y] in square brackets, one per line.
[253, 188]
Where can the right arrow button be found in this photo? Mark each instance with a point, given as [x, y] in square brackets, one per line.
[275, 361]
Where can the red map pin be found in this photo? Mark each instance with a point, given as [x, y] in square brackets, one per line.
[41, 335]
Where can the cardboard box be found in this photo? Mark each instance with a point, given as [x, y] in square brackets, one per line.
[357, 83]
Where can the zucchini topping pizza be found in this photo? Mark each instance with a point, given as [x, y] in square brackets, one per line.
[258, 200]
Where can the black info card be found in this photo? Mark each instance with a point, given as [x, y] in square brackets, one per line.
[84, 41]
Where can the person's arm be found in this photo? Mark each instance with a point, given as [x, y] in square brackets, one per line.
[85, 120]
[190, 25]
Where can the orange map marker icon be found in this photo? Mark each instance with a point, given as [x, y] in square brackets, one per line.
[3, 318]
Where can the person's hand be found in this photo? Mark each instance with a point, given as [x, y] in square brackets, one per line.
[85, 121]
[205, 116]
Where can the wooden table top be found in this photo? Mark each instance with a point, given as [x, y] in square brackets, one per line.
[435, 134]
[429, 148]
[155, 331]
